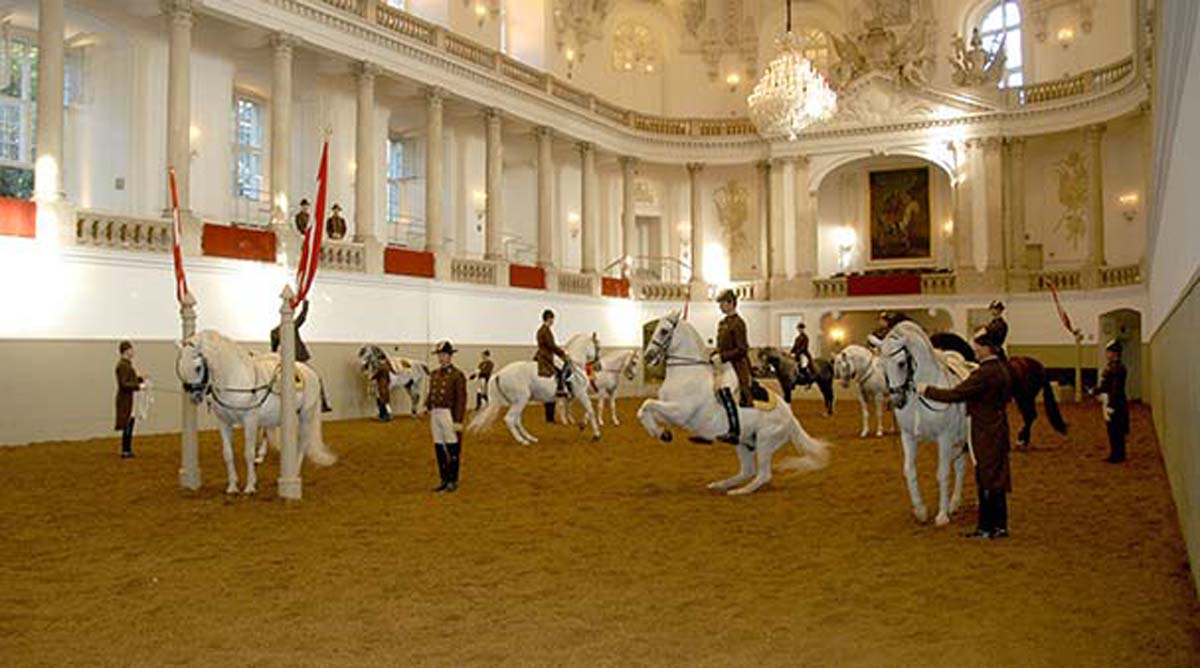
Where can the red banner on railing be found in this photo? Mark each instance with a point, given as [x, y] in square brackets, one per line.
[181, 287]
[310, 256]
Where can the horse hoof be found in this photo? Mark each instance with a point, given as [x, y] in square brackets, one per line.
[595, 438]
[231, 491]
[666, 437]
[864, 434]
[921, 514]
[941, 520]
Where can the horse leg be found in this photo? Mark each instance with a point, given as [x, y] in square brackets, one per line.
[260, 455]
[866, 413]
[909, 444]
[745, 471]
[513, 420]
[762, 455]
[879, 415]
[589, 416]
[960, 469]
[612, 404]
[251, 431]
[1028, 412]
[943, 475]
[231, 476]
[654, 411]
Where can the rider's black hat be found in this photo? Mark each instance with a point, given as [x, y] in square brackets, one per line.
[727, 295]
[445, 347]
[1114, 346]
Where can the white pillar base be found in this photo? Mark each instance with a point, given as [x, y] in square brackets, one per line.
[373, 255]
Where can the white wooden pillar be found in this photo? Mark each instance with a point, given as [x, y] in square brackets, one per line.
[281, 129]
[544, 138]
[189, 448]
[697, 221]
[366, 166]
[290, 486]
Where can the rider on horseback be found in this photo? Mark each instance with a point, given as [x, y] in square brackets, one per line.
[997, 327]
[734, 348]
[547, 350]
[802, 356]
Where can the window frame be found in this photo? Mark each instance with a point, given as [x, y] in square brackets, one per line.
[262, 151]
[974, 19]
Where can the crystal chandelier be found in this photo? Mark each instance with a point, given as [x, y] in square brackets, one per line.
[791, 95]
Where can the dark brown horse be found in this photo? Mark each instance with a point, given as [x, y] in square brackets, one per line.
[1028, 378]
[789, 374]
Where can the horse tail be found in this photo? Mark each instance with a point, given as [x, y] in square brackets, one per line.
[484, 418]
[814, 453]
[1052, 413]
[313, 443]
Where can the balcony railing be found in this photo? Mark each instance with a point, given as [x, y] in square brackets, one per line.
[122, 232]
[1061, 279]
[829, 288]
[524, 76]
[657, 291]
[467, 270]
[343, 256]
[576, 284]
[650, 268]
[938, 284]
[1114, 277]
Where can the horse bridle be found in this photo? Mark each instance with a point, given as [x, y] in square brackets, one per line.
[204, 387]
[909, 385]
[666, 353]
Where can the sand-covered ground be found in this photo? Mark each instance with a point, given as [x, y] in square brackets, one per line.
[580, 553]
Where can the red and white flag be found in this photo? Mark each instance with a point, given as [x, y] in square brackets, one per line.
[181, 287]
[1062, 313]
[310, 256]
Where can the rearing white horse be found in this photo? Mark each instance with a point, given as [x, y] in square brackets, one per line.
[242, 388]
[909, 359]
[518, 383]
[688, 399]
[857, 364]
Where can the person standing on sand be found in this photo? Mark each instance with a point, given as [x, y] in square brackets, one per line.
[128, 382]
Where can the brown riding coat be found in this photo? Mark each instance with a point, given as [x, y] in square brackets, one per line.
[448, 389]
[128, 382]
[986, 392]
[734, 347]
[547, 350]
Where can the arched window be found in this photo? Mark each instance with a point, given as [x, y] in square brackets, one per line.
[1002, 25]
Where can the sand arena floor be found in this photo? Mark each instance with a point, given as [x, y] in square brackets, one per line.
[574, 553]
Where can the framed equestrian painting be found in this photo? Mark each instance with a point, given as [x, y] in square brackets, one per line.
[900, 214]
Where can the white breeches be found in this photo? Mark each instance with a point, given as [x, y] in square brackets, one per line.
[441, 425]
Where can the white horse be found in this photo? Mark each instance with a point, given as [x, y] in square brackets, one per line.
[687, 398]
[857, 364]
[606, 379]
[410, 375]
[909, 360]
[518, 383]
[243, 388]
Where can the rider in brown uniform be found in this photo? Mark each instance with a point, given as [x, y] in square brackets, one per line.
[734, 348]
[800, 352]
[547, 350]
[484, 373]
[986, 392]
[997, 327]
[447, 404]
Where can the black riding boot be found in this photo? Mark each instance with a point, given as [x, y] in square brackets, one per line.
[731, 412]
[127, 440]
[1116, 443]
[443, 463]
[385, 415]
[999, 514]
[454, 452]
[325, 408]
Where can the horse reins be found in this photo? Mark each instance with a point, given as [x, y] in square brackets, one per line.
[205, 388]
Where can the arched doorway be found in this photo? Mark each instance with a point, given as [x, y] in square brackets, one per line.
[1124, 325]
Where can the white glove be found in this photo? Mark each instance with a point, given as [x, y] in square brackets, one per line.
[1108, 413]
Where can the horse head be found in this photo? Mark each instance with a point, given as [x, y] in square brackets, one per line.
[192, 370]
[898, 354]
[843, 370]
[660, 341]
[369, 357]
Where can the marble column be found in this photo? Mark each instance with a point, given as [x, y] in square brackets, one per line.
[281, 130]
[695, 213]
[777, 263]
[1016, 205]
[590, 229]
[544, 137]
[366, 165]
[963, 206]
[433, 172]
[494, 186]
[993, 160]
[48, 165]
[1093, 136]
[788, 211]
[763, 168]
[628, 209]
[806, 223]
[179, 95]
